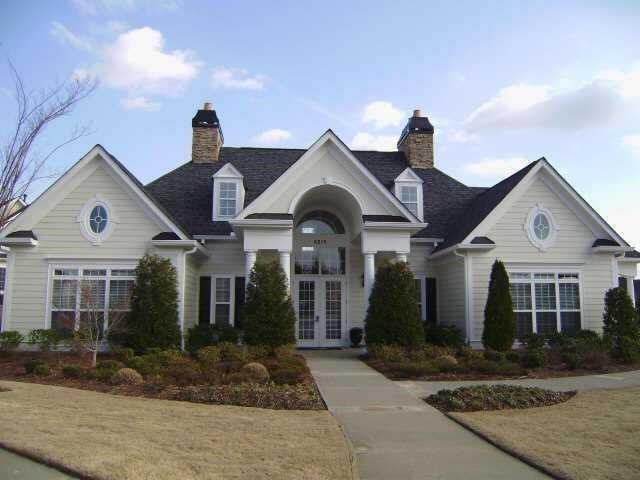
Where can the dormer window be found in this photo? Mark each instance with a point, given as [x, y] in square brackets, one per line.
[228, 193]
[408, 189]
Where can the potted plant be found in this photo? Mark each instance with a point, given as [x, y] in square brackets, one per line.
[355, 335]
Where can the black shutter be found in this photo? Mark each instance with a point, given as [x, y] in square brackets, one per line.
[431, 299]
[238, 316]
[622, 282]
[204, 304]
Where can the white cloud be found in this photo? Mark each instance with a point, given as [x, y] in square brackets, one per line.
[369, 141]
[382, 114]
[236, 78]
[140, 103]
[462, 136]
[272, 137]
[633, 143]
[563, 105]
[65, 35]
[110, 7]
[496, 167]
[138, 64]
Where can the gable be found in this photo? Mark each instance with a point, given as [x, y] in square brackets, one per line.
[328, 162]
[97, 159]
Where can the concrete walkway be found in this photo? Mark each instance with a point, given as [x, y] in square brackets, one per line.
[16, 467]
[422, 389]
[395, 435]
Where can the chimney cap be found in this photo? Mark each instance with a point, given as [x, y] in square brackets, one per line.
[208, 106]
[417, 113]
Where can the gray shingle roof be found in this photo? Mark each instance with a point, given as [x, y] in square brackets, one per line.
[451, 208]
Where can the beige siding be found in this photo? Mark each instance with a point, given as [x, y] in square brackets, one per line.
[450, 278]
[226, 258]
[572, 247]
[356, 304]
[191, 293]
[59, 235]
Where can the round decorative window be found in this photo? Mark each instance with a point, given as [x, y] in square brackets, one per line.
[96, 220]
[540, 227]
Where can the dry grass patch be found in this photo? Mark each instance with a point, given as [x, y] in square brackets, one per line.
[595, 435]
[115, 437]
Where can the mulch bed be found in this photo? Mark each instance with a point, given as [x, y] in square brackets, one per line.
[495, 397]
[301, 396]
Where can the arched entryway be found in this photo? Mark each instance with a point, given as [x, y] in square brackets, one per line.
[326, 219]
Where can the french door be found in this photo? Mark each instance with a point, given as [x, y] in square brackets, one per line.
[320, 305]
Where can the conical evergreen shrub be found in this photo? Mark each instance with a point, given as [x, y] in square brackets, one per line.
[499, 331]
[269, 316]
[392, 316]
[154, 306]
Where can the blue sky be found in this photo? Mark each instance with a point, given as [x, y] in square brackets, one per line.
[503, 82]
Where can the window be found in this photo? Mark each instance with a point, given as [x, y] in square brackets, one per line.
[409, 197]
[3, 276]
[320, 223]
[98, 219]
[223, 301]
[77, 293]
[545, 302]
[320, 260]
[227, 200]
[540, 227]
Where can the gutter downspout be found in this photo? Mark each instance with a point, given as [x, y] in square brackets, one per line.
[467, 292]
[183, 290]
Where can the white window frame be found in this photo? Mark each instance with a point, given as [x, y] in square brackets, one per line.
[214, 299]
[423, 305]
[85, 214]
[556, 281]
[408, 178]
[79, 277]
[227, 174]
[542, 245]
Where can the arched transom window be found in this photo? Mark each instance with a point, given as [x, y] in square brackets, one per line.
[320, 223]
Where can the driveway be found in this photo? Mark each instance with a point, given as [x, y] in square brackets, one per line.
[422, 389]
[395, 435]
[15, 467]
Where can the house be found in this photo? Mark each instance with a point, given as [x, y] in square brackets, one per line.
[329, 215]
[8, 211]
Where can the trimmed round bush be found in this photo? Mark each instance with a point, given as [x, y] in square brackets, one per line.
[42, 369]
[443, 335]
[31, 365]
[229, 334]
[127, 376]
[513, 356]
[109, 365]
[255, 372]
[230, 352]
[571, 359]
[72, 371]
[446, 363]
[493, 355]
[535, 358]
[200, 336]
[209, 356]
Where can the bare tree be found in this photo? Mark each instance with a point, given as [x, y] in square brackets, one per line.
[94, 329]
[19, 165]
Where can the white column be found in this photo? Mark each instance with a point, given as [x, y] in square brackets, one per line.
[369, 275]
[631, 290]
[401, 257]
[250, 260]
[285, 263]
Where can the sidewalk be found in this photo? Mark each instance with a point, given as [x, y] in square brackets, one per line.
[395, 435]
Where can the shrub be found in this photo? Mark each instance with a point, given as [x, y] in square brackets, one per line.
[446, 363]
[469, 354]
[230, 352]
[269, 316]
[495, 397]
[387, 353]
[200, 336]
[443, 335]
[594, 359]
[287, 369]
[534, 341]
[72, 371]
[499, 331]
[10, 340]
[42, 369]
[628, 349]
[109, 365]
[355, 336]
[493, 355]
[413, 369]
[392, 315]
[255, 372]
[256, 352]
[534, 358]
[560, 339]
[209, 356]
[46, 340]
[123, 354]
[620, 322]
[127, 376]
[154, 306]
[513, 356]
[229, 334]
[31, 365]
[427, 352]
[571, 359]
[100, 374]
[588, 336]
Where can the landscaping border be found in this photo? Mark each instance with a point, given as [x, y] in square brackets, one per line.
[500, 446]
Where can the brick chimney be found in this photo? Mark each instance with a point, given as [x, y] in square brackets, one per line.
[207, 136]
[416, 141]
